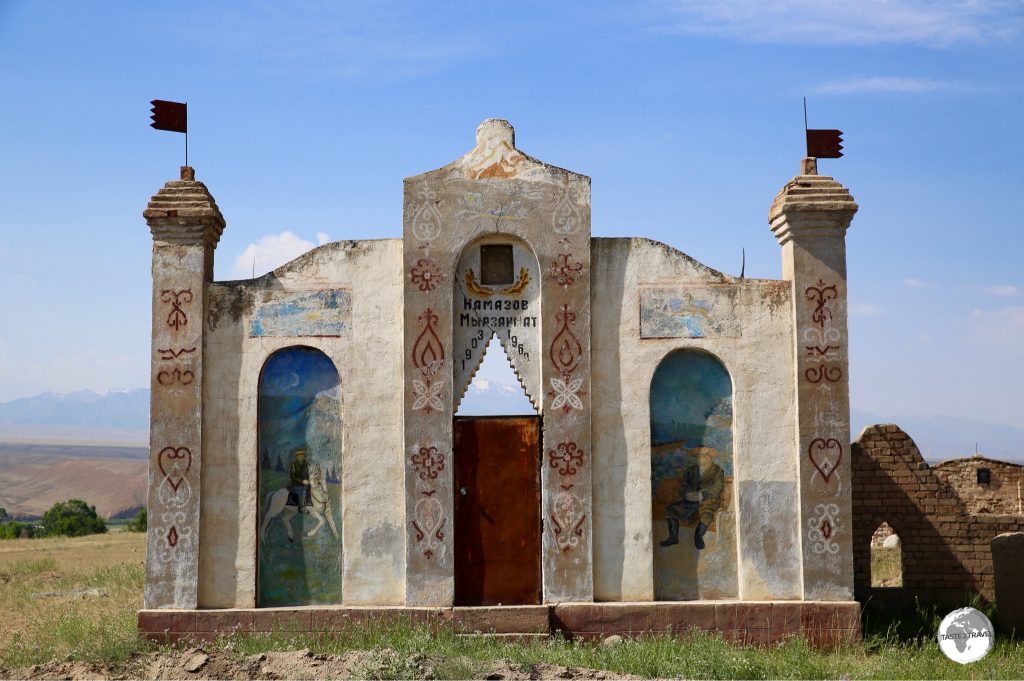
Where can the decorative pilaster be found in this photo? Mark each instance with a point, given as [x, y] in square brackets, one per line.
[810, 217]
[496, 194]
[186, 225]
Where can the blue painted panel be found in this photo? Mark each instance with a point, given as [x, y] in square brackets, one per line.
[699, 312]
[316, 313]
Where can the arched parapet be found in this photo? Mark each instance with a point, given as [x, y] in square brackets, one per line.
[335, 299]
[649, 300]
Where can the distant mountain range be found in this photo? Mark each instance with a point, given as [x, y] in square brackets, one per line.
[949, 437]
[122, 417]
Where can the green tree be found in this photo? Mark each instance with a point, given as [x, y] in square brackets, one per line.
[12, 529]
[140, 521]
[3, 514]
[73, 518]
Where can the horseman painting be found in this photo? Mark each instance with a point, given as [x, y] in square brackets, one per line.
[299, 521]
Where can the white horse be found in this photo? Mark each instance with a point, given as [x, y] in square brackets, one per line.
[276, 504]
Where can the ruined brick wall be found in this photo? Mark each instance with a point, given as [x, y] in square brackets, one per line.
[946, 555]
[1002, 494]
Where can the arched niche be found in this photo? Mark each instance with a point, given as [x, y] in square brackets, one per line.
[692, 482]
[299, 439]
[497, 293]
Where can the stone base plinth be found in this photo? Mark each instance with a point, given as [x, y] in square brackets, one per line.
[748, 622]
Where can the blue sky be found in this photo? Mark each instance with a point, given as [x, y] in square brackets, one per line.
[305, 117]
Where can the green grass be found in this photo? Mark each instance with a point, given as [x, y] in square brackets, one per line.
[401, 649]
[35, 630]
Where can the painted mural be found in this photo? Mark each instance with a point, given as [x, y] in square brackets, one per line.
[299, 479]
[313, 313]
[691, 312]
[693, 516]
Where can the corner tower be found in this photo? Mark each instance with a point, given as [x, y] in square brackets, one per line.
[810, 217]
[186, 225]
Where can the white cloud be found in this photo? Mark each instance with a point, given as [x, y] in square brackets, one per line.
[272, 251]
[913, 282]
[891, 84]
[866, 309]
[481, 384]
[850, 23]
[1002, 327]
[1003, 291]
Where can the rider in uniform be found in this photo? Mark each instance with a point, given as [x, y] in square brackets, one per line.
[298, 480]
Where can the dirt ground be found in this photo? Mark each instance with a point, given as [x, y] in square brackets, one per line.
[197, 663]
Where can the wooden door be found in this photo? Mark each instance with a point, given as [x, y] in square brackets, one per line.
[497, 510]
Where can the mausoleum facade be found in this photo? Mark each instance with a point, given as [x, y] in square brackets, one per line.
[690, 443]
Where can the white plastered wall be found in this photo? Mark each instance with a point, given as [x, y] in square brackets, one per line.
[760, 363]
[368, 356]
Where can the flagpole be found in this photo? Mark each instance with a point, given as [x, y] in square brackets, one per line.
[806, 143]
[186, 133]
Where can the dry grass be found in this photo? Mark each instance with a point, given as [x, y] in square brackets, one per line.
[98, 550]
[886, 566]
[70, 597]
[50, 614]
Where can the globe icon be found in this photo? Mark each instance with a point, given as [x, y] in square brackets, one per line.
[965, 635]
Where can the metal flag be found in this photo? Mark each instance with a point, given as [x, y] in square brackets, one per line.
[824, 143]
[171, 116]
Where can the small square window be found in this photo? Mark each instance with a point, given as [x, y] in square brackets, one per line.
[496, 266]
[984, 476]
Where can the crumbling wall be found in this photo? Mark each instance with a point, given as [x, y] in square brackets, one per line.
[946, 556]
[1001, 494]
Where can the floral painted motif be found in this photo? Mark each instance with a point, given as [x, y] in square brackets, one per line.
[566, 395]
[821, 295]
[426, 218]
[822, 527]
[426, 393]
[567, 518]
[564, 269]
[566, 457]
[426, 274]
[428, 525]
[566, 351]
[427, 360]
[428, 462]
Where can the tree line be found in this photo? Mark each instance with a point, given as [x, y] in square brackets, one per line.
[71, 518]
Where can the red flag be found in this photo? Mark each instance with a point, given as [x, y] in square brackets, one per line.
[171, 116]
[824, 143]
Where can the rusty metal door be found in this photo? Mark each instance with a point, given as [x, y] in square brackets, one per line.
[497, 510]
